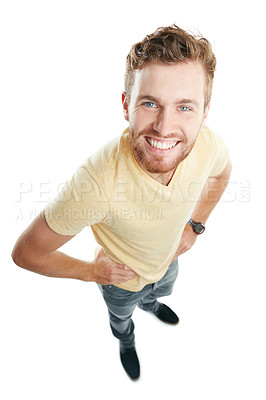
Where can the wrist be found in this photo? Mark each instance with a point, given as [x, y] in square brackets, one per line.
[198, 227]
[86, 273]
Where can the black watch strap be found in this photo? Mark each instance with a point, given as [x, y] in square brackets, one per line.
[197, 227]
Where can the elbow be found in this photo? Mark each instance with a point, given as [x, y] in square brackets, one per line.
[16, 256]
[25, 257]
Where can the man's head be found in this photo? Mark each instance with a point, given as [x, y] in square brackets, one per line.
[168, 45]
[168, 88]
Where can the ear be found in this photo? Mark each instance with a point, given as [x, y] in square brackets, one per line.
[206, 112]
[125, 106]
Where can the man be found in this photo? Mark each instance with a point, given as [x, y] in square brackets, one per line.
[147, 194]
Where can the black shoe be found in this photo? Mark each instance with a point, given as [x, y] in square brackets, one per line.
[130, 362]
[165, 314]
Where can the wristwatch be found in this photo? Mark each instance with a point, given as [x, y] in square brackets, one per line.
[197, 227]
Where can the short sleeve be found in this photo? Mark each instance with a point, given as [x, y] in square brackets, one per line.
[222, 156]
[80, 203]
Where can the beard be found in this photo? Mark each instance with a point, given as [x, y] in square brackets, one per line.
[158, 164]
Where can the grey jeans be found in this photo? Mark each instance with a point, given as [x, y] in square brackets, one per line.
[121, 303]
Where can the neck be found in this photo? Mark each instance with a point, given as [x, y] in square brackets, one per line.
[163, 178]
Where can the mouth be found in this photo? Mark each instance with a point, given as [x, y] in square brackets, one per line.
[161, 144]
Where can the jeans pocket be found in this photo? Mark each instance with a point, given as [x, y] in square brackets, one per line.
[117, 292]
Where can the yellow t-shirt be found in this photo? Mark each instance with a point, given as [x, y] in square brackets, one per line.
[137, 220]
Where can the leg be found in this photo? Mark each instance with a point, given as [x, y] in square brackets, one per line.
[163, 287]
[121, 304]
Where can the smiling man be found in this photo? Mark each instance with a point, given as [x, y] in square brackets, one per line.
[147, 194]
[165, 113]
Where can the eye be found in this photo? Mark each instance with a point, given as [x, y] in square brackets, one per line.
[149, 104]
[184, 108]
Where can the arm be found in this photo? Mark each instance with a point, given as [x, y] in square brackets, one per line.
[36, 250]
[209, 197]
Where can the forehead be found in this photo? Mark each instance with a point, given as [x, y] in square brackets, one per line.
[186, 79]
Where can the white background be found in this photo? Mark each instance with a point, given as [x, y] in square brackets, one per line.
[61, 72]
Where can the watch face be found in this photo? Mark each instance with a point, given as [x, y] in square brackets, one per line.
[200, 229]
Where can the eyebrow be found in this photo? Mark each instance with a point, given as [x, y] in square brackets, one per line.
[178, 101]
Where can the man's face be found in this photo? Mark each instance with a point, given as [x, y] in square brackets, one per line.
[165, 114]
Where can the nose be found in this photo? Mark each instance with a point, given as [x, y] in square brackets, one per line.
[165, 123]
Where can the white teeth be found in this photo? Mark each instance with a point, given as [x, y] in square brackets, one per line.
[160, 145]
